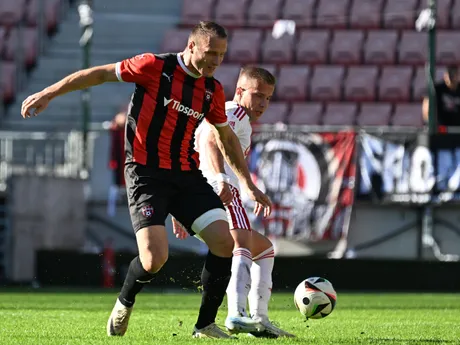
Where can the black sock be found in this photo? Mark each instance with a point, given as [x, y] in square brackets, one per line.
[135, 280]
[215, 277]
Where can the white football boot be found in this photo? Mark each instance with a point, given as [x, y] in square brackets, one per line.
[118, 320]
[212, 331]
[242, 324]
[270, 331]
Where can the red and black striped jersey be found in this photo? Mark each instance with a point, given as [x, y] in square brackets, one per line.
[167, 105]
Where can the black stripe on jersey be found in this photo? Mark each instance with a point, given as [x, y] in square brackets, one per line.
[134, 110]
[159, 114]
[182, 120]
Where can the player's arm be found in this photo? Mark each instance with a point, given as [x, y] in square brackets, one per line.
[425, 109]
[76, 81]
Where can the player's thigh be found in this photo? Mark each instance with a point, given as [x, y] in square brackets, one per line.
[152, 242]
[149, 196]
[260, 243]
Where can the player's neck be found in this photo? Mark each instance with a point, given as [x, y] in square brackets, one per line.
[187, 60]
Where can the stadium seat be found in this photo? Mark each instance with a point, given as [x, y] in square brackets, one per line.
[443, 10]
[374, 114]
[12, 11]
[8, 81]
[175, 40]
[419, 84]
[332, 14]
[278, 50]
[29, 44]
[340, 114]
[346, 47]
[231, 14]
[408, 114]
[263, 13]
[360, 84]
[312, 46]
[399, 14]
[365, 14]
[244, 46]
[276, 112]
[301, 11]
[394, 85]
[455, 15]
[305, 114]
[228, 74]
[380, 47]
[326, 83]
[413, 48]
[195, 10]
[448, 48]
[52, 14]
[2, 39]
[292, 83]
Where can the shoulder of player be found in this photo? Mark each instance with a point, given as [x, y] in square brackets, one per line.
[235, 111]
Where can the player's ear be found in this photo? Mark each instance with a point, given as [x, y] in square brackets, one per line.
[191, 45]
[239, 91]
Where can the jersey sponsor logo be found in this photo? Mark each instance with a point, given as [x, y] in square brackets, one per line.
[176, 105]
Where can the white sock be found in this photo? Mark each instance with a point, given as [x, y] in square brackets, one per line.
[240, 282]
[261, 281]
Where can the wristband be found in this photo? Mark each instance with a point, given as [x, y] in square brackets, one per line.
[222, 178]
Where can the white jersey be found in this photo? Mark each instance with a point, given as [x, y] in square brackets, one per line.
[238, 120]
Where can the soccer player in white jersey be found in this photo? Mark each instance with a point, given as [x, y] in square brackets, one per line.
[253, 254]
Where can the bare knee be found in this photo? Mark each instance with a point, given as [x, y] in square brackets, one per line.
[217, 237]
[242, 238]
[260, 243]
[151, 261]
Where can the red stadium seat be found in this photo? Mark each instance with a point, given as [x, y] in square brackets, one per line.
[276, 112]
[443, 10]
[380, 47]
[12, 11]
[312, 46]
[231, 14]
[263, 13]
[365, 14]
[419, 85]
[360, 84]
[305, 114]
[292, 83]
[244, 46]
[278, 50]
[408, 114]
[340, 114]
[455, 15]
[301, 11]
[52, 14]
[447, 48]
[228, 74]
[332, 14]
[346, 47]
[195, 10]
[400, 14]
[175, 40]
[413, 48]
[326, 83]
[7, 81]
[394, 85]
[29, 44]
[374, 114]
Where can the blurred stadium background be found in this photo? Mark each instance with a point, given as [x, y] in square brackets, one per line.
[354, 65]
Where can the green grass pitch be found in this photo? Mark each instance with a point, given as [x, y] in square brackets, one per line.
[36, 317]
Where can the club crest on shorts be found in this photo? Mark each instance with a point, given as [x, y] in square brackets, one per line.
[208, 94]
[147, 211]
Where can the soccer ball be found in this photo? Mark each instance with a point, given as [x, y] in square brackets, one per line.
[315, 298]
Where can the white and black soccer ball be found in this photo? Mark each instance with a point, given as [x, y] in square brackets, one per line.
[315, 298]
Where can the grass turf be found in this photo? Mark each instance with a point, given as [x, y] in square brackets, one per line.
[70, 318]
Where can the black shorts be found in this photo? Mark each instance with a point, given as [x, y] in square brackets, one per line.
[154, 193]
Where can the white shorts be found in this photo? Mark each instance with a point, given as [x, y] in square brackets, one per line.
[236, 214]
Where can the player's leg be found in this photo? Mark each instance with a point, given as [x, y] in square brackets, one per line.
[261, 286]
[148, 210]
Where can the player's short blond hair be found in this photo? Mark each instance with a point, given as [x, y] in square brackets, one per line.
[208, 29]
[257, 73]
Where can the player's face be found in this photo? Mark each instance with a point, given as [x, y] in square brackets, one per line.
[208, 54]
[255, 98]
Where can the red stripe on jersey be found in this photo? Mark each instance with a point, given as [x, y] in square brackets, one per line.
[164, 143]
[144, 119]
[192, 124]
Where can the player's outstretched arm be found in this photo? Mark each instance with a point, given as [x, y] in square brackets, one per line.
[79, 80]
[230, 147]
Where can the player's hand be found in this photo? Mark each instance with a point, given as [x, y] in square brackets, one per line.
[179, 230]
[224, 193]
[263, 202]
[34, 104]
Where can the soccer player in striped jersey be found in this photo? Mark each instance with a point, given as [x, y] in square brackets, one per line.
[173, 94]
[253, 254]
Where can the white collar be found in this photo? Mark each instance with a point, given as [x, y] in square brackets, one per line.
[181, 63]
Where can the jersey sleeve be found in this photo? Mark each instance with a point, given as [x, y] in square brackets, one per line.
[216, 115]
[138, 69]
